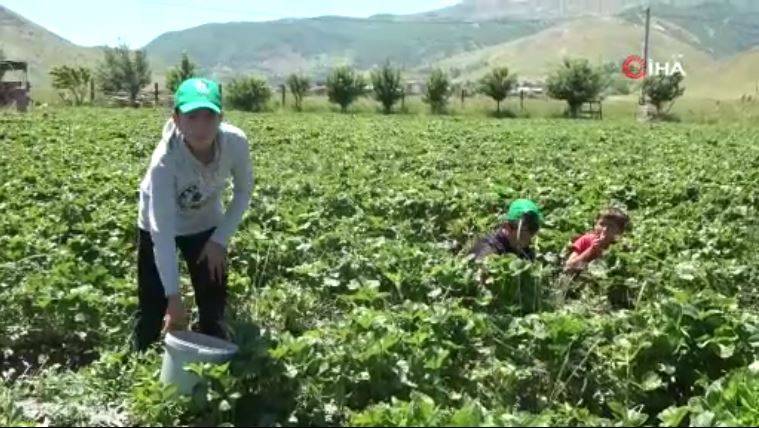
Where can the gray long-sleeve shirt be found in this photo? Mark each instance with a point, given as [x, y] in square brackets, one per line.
[180, 195]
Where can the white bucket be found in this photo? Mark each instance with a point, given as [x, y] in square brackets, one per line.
[186, 347]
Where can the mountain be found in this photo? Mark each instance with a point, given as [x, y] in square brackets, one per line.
[722, 29]
[481, 10]
[600, 39]
[23, 40]
[465, 36]
[711, 38]
[315, 45]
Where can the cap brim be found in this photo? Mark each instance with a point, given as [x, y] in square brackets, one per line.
[506, 217]
[197, 105]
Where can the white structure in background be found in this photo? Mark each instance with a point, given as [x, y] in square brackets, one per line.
[530, 88]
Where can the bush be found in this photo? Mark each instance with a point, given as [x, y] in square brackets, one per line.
[177, 75]
[576, 82]
[388, 88]
[299, 86]
[497, 85]
[438, 91]
[344, 86]
[662, 90]
[248, 94]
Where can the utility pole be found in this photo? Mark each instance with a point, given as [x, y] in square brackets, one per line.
[645, 51]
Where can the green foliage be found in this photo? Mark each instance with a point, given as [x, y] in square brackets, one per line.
[123, 70]
[350, 294]
[662, 90]
[175, 76]
[248, 94]
[730, 401]
[438, 91]
[10, 413]
[299, 86]
[576, 82]
[497, 85]
[388, 87]
[74, 80]
[344, 86]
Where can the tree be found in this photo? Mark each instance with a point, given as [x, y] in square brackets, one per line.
[124, 70]
[177, 75]
[75, 80]
[388, 88]
[663, 89]
[299, 86]
[248, 94]
[438, 90]
[576, 82]
[344, 86]
[497, 85]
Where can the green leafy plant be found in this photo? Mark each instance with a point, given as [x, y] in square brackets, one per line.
[248, 94]
[344, 86]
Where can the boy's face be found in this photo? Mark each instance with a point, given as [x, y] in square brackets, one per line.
[199, 127]
[524, 238]
[523, 235]
[609, 230]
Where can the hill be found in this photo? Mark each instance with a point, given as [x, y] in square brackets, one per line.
[24, 40]
[600, 39]
[317, 44]
[468, 39]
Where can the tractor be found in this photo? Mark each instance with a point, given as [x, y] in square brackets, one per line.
[15, 91]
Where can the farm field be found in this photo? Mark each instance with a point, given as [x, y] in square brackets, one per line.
[351, 296]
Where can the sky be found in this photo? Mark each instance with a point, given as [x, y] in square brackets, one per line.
[137, 22]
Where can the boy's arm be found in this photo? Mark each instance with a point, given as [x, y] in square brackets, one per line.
[242, 174]
[578, 260]
[162, 220]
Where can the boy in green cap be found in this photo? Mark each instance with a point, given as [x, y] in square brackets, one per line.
[518, 226]
[180, 206]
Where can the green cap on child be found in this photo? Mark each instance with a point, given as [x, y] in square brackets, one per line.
[519, 208]
[198, 93]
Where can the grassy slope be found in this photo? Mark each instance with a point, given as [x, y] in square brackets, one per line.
[21, 39]
[281, 47]
[598, 39]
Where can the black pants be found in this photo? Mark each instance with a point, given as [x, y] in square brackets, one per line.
[210, 297]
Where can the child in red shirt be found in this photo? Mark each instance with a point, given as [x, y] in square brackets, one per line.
[610, 225]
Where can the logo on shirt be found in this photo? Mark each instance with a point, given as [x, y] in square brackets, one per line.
[191, 198]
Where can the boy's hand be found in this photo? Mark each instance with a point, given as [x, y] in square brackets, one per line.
[601, 241]
[176, 316]
[216, 256]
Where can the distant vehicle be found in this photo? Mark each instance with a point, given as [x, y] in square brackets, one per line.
[15, 92]
[529, 91]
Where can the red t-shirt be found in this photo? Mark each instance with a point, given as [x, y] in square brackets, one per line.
[583, 243]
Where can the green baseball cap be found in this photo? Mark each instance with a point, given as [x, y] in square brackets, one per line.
[197, 93]
[519, 208]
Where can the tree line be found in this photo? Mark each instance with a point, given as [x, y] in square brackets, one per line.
[575, 81]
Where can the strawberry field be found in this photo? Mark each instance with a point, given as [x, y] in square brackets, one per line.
[351, 296]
